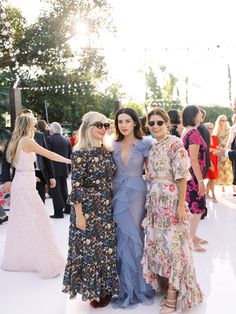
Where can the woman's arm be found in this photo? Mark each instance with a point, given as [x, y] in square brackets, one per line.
[193, 154]
[29, 145]
[181, 211]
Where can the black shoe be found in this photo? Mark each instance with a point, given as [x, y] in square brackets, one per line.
[66, 212]
[2, 220]
[55, 216]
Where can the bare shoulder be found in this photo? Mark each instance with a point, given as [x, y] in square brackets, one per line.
[27, 143]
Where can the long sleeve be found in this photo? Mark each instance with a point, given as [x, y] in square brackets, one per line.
[232, 155]
[78, 166]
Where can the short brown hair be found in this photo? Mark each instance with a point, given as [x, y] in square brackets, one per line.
[158, 112]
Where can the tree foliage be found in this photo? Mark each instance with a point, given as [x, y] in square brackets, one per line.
[48, 70]
[160, 89]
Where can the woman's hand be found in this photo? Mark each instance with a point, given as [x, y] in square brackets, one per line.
[201, 188]
[149, 176]
[80, 222]
[181, 214]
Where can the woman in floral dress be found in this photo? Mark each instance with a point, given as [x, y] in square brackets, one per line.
[167, 260]
[91, 268]
[225, 171]
[196, 190]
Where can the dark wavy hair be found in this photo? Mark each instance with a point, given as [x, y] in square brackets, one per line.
[137, 125]
[189, 115]
[174, 116]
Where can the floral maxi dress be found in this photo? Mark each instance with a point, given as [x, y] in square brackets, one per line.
[167, 250]
[91, 268]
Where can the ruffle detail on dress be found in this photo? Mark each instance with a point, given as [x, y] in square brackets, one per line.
[134, 289]
[172, 262]
[76, 281]
[145, 144]
[131, 188]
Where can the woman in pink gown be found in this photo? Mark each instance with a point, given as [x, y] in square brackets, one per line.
[30, 242]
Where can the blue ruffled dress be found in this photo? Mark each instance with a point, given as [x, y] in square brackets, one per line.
[129, 193]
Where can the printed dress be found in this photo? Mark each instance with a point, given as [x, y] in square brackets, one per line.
[129, 194]
[167, 249]
[225, 171]
[196, 202]
[91, 268]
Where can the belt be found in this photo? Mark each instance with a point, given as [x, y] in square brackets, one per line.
[156, 179]
[21, 170]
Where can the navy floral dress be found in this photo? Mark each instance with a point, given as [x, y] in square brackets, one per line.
[91, 268]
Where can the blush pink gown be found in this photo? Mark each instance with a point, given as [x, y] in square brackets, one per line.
[30, 242]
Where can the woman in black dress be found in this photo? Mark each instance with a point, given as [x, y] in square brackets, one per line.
[91, 268]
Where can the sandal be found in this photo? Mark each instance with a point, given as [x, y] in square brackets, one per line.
[199, 249]
[199, 241]
[169, 306]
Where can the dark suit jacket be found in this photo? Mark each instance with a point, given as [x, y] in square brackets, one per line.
[59, 144]
[232, 155]
[45, 165]
[205, 134]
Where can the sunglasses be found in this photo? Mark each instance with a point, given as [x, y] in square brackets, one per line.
[159, 123]
[100, 125]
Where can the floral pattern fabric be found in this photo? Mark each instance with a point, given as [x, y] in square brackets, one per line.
[225, 171]
[196, 202]
[91, 268]
[168, 246]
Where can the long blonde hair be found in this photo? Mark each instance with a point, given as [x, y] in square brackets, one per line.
[86, 141]
[23, 127]
[217, 127]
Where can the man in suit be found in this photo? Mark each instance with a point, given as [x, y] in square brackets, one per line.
[44, 170]
[59, 144]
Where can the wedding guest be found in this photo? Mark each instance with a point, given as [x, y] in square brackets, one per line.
[130, 150]
[43, 127]
[167, 261]
[232, 144]
[59, 144]
[222, 131]
[91, 269]
[174, 117]
[30, 242]
[44, 170]
[74, 139]
[212, 172]
[205, 134]
[196, 148]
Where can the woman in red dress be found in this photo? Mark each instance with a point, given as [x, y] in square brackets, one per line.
[212, 172]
